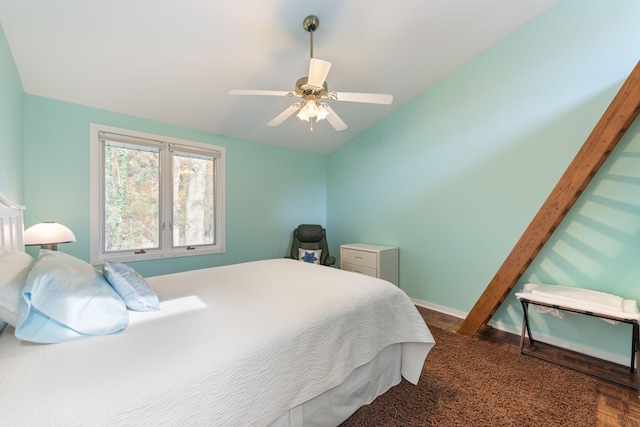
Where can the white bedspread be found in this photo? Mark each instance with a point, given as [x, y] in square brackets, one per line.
[232, 346]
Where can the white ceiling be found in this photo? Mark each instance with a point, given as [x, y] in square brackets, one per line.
[175, 61]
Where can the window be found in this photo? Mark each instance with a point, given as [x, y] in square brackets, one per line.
[154, 197]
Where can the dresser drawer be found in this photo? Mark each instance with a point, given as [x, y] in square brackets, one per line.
[372, 260]
[365, 259]
[360, 269]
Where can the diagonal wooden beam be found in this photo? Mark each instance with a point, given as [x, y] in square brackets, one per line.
[615, 121]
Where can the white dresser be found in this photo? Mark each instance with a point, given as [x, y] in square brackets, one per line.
[372, 260]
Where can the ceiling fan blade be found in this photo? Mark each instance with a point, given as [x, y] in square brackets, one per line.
[318, 71]
[284, 115]
[334, 119]
[260, 92]
[370, 98]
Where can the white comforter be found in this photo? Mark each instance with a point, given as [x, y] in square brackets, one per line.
[232, 346]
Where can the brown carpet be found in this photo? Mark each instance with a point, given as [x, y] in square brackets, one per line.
[467, 382]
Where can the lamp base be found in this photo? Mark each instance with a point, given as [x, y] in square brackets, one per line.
[49, 246]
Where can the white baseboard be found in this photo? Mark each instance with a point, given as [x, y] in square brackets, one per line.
[558, 342]
[440, 308]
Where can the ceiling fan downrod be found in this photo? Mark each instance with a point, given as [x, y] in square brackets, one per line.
[310, 24]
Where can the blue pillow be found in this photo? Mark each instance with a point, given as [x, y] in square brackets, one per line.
[65, 298]
[131, 286]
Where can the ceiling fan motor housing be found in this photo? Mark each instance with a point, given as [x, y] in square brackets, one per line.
[304, 89]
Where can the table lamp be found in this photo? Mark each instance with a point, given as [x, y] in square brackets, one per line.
[48, 234]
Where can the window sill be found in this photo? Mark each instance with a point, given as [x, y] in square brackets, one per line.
[151, 255]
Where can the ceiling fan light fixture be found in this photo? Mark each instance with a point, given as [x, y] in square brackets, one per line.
[309, 109]
[322, 113]
[312, 108]
[302, 115]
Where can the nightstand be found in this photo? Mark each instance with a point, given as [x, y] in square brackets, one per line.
[372, 260]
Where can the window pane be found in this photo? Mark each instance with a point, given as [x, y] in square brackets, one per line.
[193, 207]
[131, 203]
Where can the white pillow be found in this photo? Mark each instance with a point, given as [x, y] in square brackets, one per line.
[14, 268]
[309, 255]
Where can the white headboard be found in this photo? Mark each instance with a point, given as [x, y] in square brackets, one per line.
[11, 225]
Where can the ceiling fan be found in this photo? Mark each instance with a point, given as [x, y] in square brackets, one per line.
[313, 89]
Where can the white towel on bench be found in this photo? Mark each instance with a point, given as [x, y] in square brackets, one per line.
[588, 298]
[580, 299]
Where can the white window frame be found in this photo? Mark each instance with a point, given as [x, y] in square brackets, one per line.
[96, 237]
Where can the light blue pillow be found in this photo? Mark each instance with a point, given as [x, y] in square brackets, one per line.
[131, 286]
[65, 298]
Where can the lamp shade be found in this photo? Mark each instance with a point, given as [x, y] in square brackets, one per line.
[48, 235]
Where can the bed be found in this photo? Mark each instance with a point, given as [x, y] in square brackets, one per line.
[274, 342]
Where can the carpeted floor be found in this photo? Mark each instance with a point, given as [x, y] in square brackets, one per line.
[466, 382]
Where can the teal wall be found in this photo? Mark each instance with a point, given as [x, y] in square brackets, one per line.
[269, 190]
[454, 177]
[11, 126]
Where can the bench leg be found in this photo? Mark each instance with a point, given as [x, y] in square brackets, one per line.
[634, 347]
[635, 355]
[525, 325]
